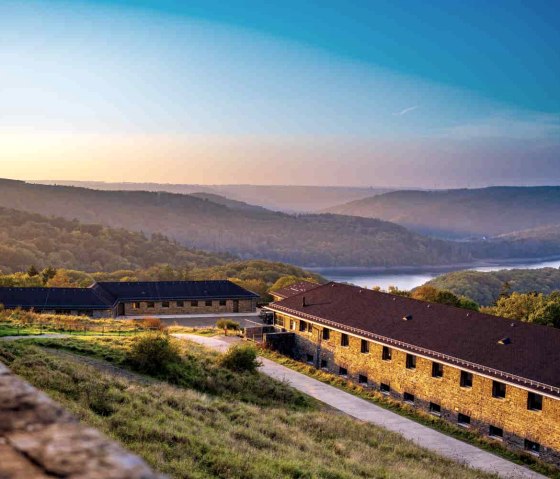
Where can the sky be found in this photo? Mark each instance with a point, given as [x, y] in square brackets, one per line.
[366, 93]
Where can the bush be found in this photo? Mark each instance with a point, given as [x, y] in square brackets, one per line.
[150, 323]
[241, 358]
[153, 354]
[227, 324]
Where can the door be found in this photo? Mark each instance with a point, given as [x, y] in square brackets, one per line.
[236, 306]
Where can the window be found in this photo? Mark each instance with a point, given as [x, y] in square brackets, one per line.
[386, 354]
[136, 305]
[302, 325]
[309, 327]
[408, 398]
[466, 379]
[326, 334]
[534, 402]
[410, 361]
[180, 304]
[494, 431]
[165, 304]
[324, 364]
[498, 389]
[384, 388]
[437, 370]
[532, 446]
[279, 320]
[342, 371]
[344, 340]
[208, 302]
[364, 348]
[292, 325]
[150, 304]
[222, 302]
[435, 409]
[362, 379]
[310, 358]
[464, 420]
[194, 304]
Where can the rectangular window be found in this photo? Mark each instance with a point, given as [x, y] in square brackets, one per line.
[364, 346]
[466, 379]
[279, 320]
[292, 325]
[208, 302]
[437, 370]
[494, 431]
[194, 304]
[408, 397]
[384, 388]
[342, 371]
[498, 389]
[165, 304]
[464, 420]
[180, 304]
[410, 361]
[534, 402]
[362, 379]
[309, 327]
[302, 325]
[344, 340]
[136, 305]
[386, 353]
[310, 358]
[532, 446]
[326, 334]
[150, 304]
[222, 302]
[435, 409]
[324, 364]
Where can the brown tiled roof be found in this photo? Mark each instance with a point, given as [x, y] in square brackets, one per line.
[453, 335]
[296, 288]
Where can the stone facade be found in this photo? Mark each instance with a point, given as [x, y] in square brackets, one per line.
[40, 440]
[201, 306]
[362, 361]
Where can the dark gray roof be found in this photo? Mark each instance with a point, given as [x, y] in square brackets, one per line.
[299, 287]
[158, 290]
[55, 298]
[105, 295]
[466, 338]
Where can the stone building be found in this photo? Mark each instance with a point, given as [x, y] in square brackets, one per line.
[493, 375]
[106, 299]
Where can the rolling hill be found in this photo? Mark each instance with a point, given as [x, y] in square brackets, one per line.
[462, 213]
[323, 240]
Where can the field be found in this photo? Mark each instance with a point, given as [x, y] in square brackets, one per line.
[205, 421]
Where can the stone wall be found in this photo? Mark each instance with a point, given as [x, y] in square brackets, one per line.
[40, 440]
[510, 413]
[245, 306]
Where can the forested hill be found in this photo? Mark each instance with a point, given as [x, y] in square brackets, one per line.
[324, 240]
[463, 212]
[485, 288]
[30, 239]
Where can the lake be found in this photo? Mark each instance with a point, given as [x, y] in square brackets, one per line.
[413, 277]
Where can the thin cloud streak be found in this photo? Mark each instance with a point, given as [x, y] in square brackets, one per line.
[406, 110]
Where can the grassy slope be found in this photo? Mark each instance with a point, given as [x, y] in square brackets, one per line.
[188, 434]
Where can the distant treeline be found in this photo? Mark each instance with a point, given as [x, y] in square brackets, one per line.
[486, 288]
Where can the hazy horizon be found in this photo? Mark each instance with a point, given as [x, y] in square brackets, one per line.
[391, 94]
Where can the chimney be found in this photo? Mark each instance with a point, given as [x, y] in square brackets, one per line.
[303, 303]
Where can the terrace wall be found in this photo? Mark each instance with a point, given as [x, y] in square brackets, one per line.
[245, 306]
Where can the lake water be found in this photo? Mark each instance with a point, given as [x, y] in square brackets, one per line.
[413, 277]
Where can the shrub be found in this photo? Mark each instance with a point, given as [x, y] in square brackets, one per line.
[150, 323]
[240, 358]
[153, 353]
[227, 324]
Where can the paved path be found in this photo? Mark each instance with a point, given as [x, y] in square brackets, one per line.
[423, 436]
[33, 336]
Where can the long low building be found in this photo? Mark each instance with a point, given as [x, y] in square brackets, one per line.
[497, 376]
[106, 299]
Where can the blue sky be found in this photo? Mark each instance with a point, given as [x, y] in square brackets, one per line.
[401, 93]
